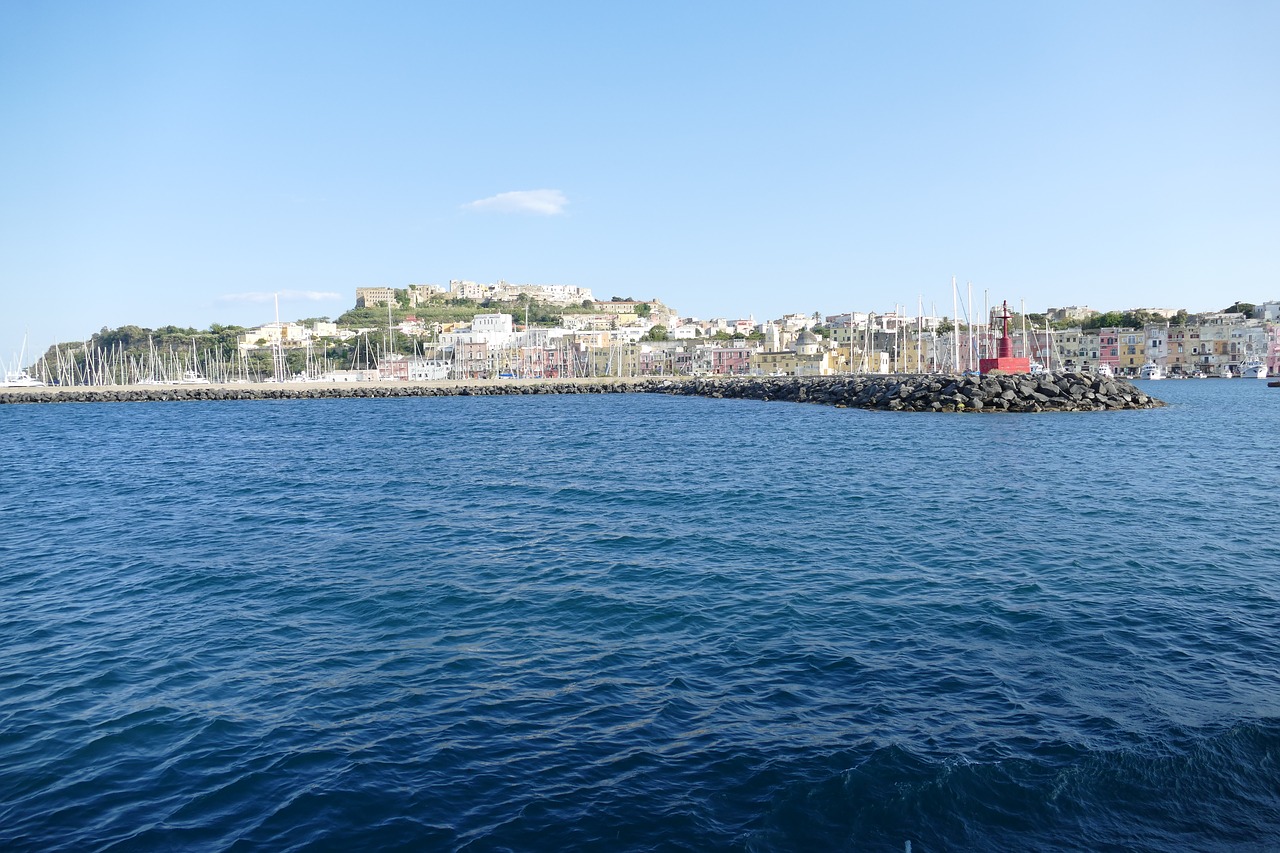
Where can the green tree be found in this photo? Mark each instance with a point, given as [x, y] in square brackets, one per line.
[945, 326]
[1245, 308]
[126, 337]
[225, 338]
[1107, 320]
[657, 333]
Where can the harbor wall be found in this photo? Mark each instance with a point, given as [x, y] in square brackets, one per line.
[912, 393]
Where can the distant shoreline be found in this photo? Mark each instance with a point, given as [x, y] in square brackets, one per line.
[265, 387]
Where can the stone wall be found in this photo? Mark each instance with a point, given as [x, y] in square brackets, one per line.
[1071, 392]
[911, 393]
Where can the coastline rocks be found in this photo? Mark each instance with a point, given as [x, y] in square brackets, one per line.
[1070, 392]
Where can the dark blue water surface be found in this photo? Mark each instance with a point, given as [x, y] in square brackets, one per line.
[640, 623]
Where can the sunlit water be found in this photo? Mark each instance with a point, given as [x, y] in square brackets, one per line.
[640, 622]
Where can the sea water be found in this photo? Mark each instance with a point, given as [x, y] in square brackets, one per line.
[639, 623]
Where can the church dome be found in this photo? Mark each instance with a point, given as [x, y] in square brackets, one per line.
[807, 343]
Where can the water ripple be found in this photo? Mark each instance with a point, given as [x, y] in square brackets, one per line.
[637, 623]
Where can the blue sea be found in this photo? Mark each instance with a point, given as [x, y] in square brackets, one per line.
[640, 622]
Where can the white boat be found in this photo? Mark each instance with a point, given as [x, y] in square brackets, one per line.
[1151, 370]
[191, 377]
[1105, 371]
[1253, 369]
[1224, 372]
[20, 379]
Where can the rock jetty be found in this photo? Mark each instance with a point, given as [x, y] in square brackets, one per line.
[1068, 392]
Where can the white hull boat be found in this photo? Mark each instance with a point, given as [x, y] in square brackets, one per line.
[1253, 370]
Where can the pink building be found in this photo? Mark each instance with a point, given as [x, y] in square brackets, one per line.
[1109, 348]
[564, 361]
[730, 361]
[531, 363]
[1273, 349]
[651, 361]
[394, 366]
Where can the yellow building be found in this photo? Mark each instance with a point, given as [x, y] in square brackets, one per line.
[371, 297]
[1131, 350]
[806, 358]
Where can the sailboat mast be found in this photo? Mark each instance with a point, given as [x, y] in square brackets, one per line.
[969, 317]
[1048, 358]
[986, 320]
[955, 327]
[852, 369]
[276, 354]
[1024, 330]
[919, 332]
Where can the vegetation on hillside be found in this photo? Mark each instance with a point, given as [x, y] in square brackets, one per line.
[139, 350]
[442, 309]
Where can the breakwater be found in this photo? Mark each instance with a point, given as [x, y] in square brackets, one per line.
[913, 393]
[1068, 392]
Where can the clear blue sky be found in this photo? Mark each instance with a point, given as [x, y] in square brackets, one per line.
[169, 162]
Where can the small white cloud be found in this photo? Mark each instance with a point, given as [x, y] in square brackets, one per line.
[290, 295]
[541, 202]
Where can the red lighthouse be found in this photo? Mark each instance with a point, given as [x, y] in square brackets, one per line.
[1004, 360]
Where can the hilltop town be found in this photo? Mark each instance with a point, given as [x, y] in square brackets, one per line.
[469, 330]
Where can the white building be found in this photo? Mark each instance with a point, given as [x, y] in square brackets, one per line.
[273, 334]
[1157, 343]
[1071, 313]
[492, 324]
[495, 330]
[796, 322]
[468, 290]
[1268, 311]
[1164, 313]
[854, 319]
[428, 369]
[555, 294]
